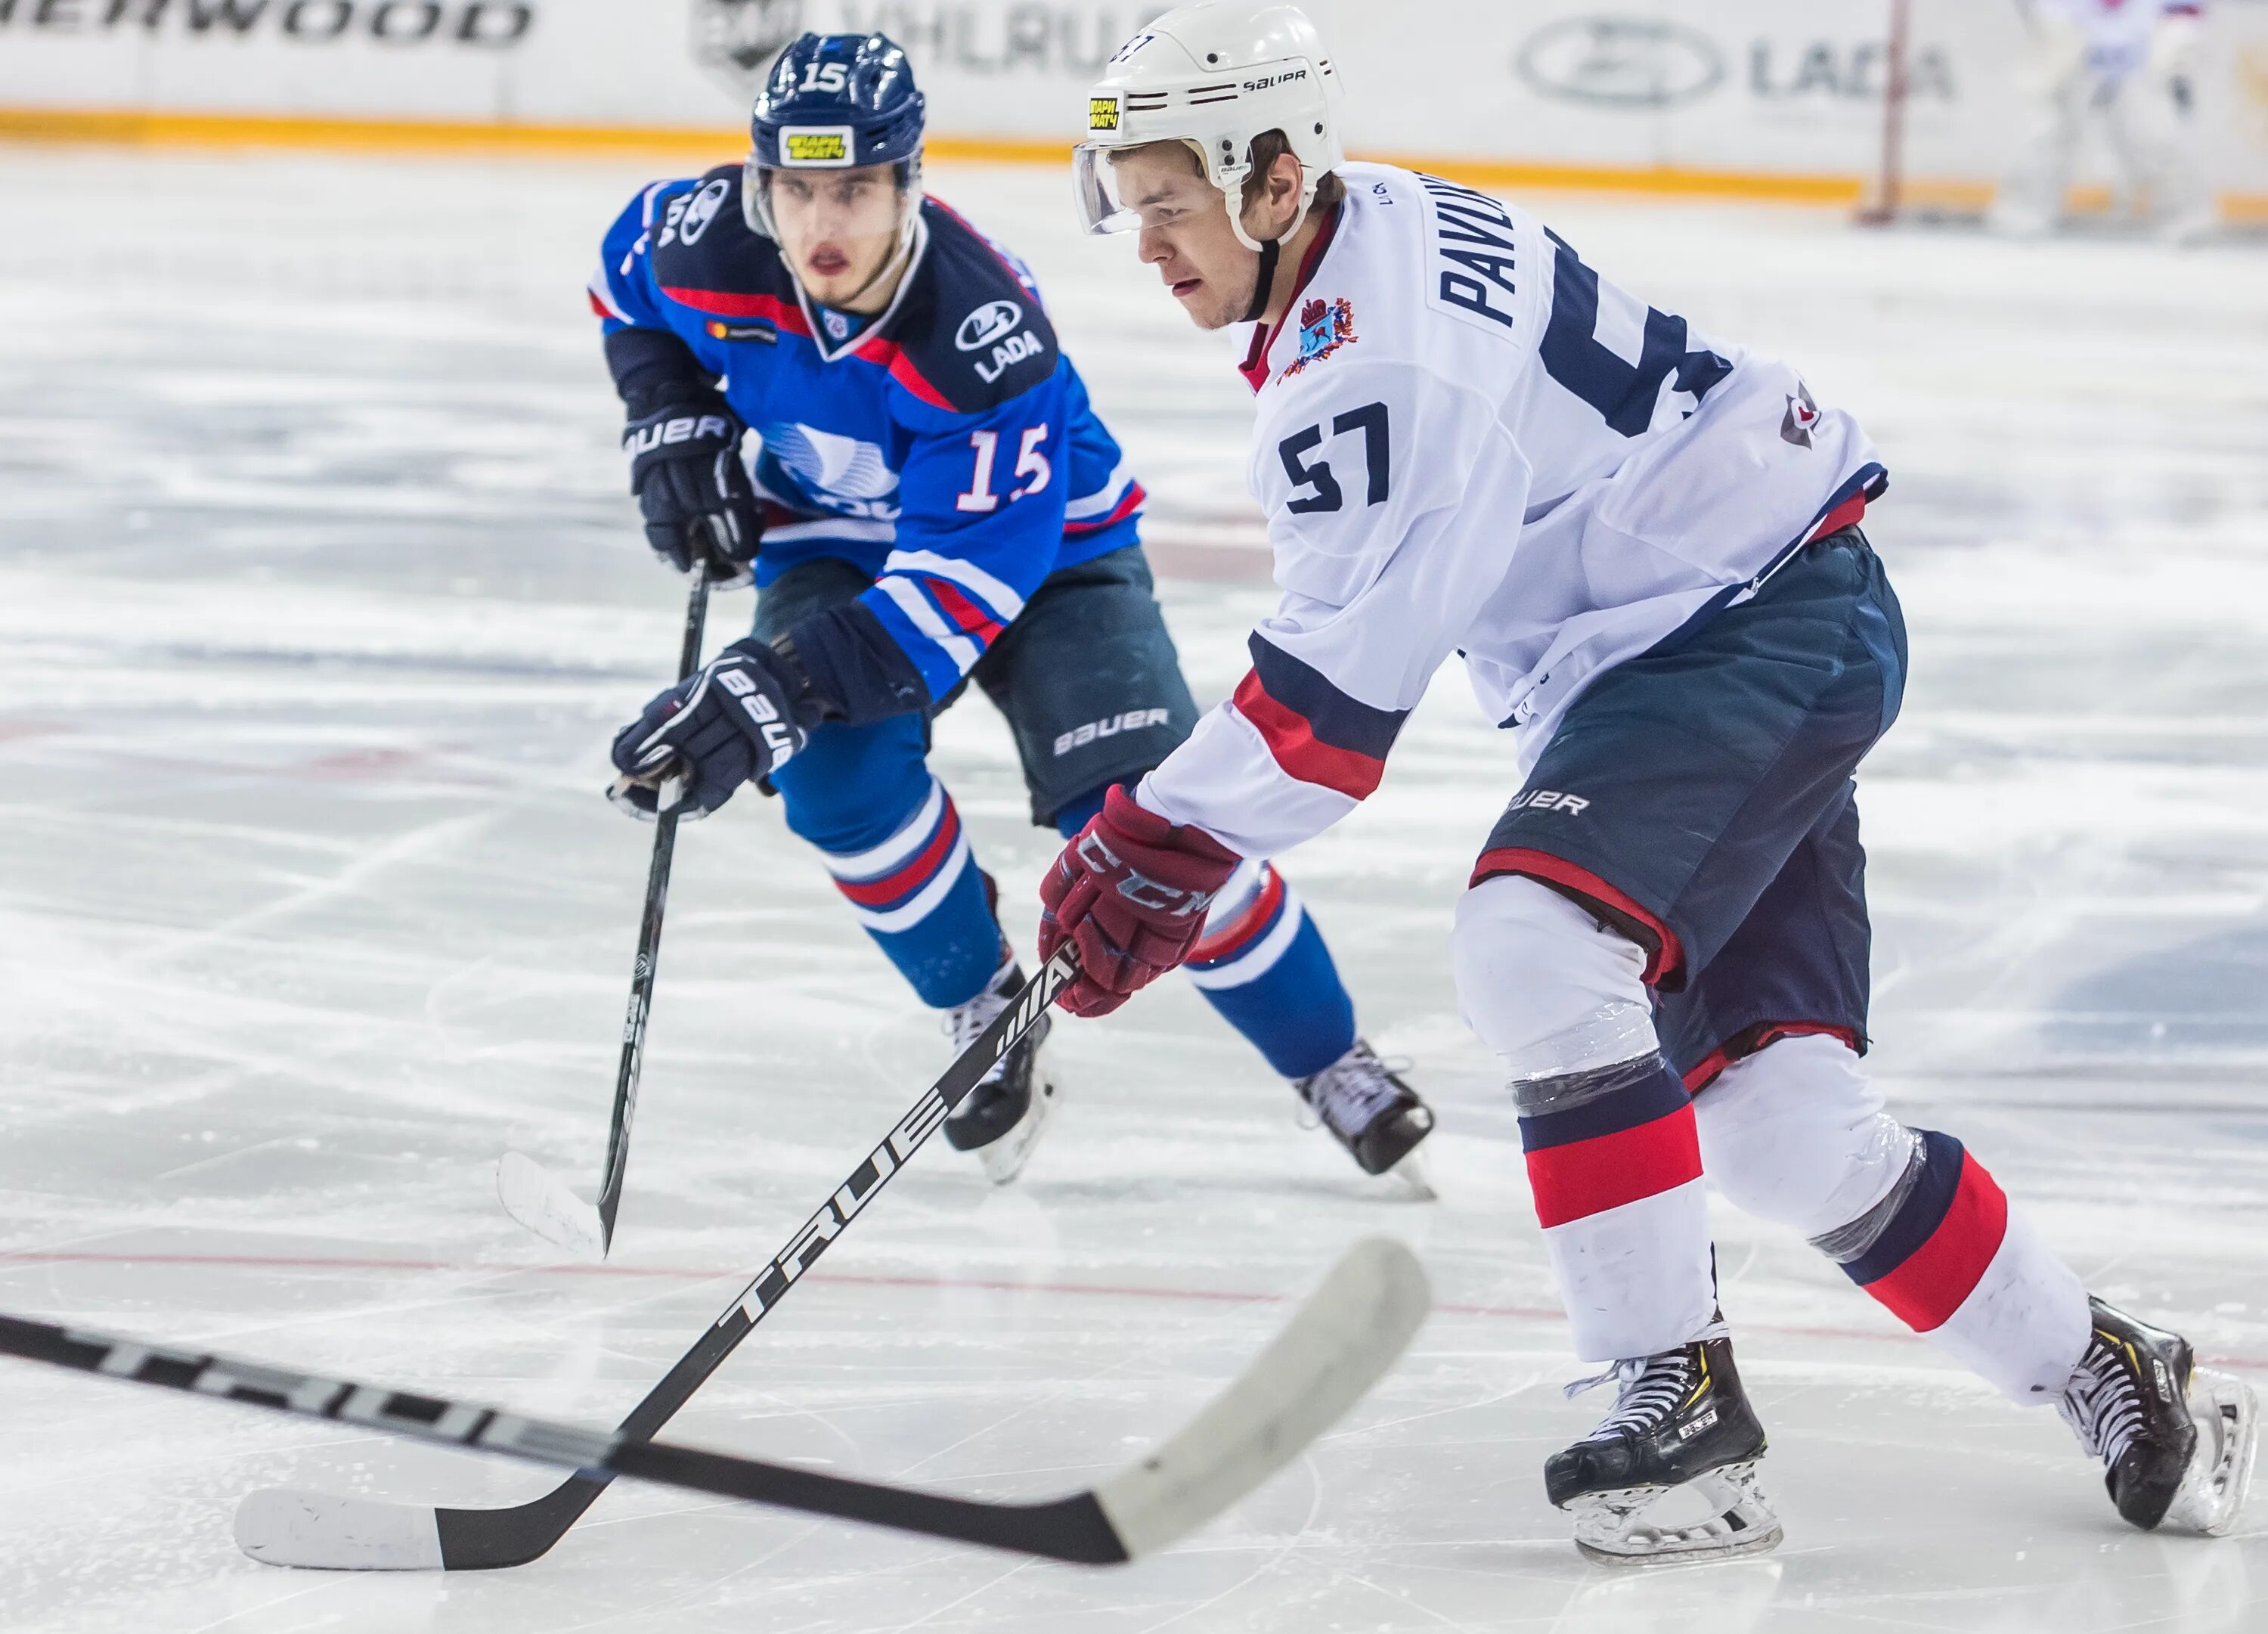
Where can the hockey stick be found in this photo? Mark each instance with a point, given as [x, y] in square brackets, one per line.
[532, 1194]
[310, 1529]
[1333, 1350]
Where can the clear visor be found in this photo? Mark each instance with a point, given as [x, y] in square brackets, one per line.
[808, 206]
[1124, 189]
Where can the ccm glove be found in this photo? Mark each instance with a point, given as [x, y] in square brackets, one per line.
[686, 471]
[1129, 895]
[745, 715]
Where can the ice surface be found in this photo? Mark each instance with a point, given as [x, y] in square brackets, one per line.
[319, 596]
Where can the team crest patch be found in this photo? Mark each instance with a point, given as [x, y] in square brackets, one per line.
[1803, 415]
[1324, 327]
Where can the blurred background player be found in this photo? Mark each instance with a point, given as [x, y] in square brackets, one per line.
[935, 501]
[1644, 544]
[2131, 67]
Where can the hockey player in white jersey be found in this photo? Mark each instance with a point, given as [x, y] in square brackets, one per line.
[1644, 544]
[2131, 66]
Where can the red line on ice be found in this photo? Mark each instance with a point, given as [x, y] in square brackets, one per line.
[865, 1279]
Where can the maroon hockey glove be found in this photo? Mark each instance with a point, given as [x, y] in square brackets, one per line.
[1130, 894]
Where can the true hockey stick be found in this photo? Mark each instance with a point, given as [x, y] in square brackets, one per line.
[1338, 1344]
[310, 1529]
[532, 1194]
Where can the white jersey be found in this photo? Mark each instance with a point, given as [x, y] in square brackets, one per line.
[1469, 442]
[2117, 32]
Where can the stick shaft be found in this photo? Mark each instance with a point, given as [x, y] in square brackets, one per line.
[1072, 1528]
[649, 952]
[476, 1539]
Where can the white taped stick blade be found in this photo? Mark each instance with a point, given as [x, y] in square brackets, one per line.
[540, 1201]
[1339, 1343]
[284, 1527]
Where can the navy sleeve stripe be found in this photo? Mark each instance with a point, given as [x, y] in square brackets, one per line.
[1333, 718]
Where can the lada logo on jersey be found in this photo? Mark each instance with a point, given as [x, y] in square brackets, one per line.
[987, 324]
[824, 145]
[1620, 62]
[994, 324]
[702, 209]
[1102, 112]
[1324, 327]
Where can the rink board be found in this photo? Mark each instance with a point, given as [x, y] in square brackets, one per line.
[1777, 99]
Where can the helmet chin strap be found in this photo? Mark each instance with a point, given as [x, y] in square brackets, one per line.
[1264, 284]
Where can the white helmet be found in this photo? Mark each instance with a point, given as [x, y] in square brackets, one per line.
[1214, 75]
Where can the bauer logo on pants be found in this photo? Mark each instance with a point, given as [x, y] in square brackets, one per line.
[1548, 800]
[1132, 720]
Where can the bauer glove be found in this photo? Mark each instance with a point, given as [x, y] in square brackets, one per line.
[1130, 894]
[743, 717]
[686, 471]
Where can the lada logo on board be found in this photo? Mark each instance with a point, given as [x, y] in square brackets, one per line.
[1621, 62]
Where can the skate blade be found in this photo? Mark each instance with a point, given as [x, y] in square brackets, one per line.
[1625, 1526]
[1410, 1181]
[2214, 1487]
[1004, 1159]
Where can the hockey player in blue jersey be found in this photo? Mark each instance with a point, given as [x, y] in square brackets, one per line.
[839, 387]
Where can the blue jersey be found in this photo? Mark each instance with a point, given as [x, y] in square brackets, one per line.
[945, 447]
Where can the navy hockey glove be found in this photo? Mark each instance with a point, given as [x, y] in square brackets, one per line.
[686, 471]
[743, 717]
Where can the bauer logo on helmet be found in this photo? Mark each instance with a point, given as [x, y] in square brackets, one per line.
[820, 145]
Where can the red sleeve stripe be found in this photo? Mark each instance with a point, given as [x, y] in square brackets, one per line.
[1128, 504]
[969, 618]
[892, 357]
[1290, 737]
[1574, 1181]
[1665, 955]
[598, 305]
[725, 303]
[1933, 1281]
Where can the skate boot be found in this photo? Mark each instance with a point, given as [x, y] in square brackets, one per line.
[2175, 1440]
[1371, 1111]
[1670, 1474]
[1000, 1119]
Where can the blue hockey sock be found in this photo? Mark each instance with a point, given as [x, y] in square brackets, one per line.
[921, 896]
[1263, 966]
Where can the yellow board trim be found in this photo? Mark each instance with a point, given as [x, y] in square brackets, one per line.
[138, 127]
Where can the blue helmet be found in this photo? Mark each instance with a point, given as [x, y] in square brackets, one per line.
[831, 102]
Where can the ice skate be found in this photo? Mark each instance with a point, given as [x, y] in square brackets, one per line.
[1376, 1116]
[1000, 1120]
[2175, 1441]
[1670, 1473]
